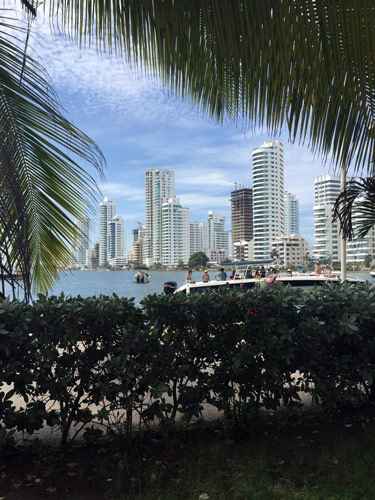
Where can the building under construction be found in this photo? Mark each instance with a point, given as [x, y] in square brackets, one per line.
[242, 215]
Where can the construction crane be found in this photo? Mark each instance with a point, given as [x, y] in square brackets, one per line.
[233, 182]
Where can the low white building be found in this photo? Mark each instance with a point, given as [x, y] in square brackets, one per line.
[292, 250]
[217, 256]
[243, 251]
[118, 261]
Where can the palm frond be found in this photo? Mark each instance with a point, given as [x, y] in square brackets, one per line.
[355, 208]
[44, 183]
[306, 64]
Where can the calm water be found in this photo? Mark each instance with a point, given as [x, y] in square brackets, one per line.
[88, 283]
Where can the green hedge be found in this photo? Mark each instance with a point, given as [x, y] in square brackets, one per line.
[79, 362]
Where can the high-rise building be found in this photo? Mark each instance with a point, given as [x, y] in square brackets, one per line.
[159, 188]
[218, 237]
[326, 232]
[83, 242]
[138, 249]
[198, 237]
[291, 214]
[242, 215]
[92, 257]
[106, 213]
[268, 196]
[175, 233]
[116, 240]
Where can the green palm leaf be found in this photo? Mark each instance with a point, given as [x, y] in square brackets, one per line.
[306, 64]
[43, 184]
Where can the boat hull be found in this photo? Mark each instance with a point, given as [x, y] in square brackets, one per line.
[295, 281]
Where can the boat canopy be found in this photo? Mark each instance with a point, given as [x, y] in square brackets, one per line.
[247, 263]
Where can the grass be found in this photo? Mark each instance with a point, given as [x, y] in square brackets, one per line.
[308, 457]
[337, 465]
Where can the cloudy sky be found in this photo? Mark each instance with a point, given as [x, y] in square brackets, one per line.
[138, 124]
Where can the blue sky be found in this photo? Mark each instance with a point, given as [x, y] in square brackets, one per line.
[139, 124]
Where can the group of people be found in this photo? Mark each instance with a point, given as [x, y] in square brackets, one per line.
[260, 272]
[321, 271]
[141, 277]
[220, 275]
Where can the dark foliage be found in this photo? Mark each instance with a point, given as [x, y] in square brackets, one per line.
[102, 363]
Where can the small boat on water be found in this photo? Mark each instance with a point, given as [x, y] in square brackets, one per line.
[243, 277]
[141, 277]
[372, 274]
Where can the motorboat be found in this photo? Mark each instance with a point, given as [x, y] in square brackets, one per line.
[141, 277]
[243, 278]
[372, 273]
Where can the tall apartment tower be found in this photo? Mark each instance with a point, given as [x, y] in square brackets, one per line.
[106, 213]
[175, 233]
[159, 186]
[83, 242]
[138, 248]
[326, 232]
[268, 196]
[291, 214]
[218, 237]
[242, 215]
[116, 238]
[198, 237]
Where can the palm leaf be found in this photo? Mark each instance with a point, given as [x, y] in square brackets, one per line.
[44, 185]
[355, 208]
[306, 64]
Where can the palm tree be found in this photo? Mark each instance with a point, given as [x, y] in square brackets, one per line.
[274, 254]
[302, 64]
[42, 184]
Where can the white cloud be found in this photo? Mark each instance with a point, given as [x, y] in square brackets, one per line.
[121, 190]
[201, 201]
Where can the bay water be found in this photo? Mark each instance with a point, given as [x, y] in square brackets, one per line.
[89, 283]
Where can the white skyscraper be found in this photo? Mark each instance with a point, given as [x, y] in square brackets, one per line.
[175, 233]
[326, 232]
[106, 213]
[159, 188]
[291, 214]
[198, 237]
[268, 196]
[218, 237]
[83, 242]
[116, 239]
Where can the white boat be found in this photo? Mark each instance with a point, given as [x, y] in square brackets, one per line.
[243, 279]
[141, 277]
[372, 273]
